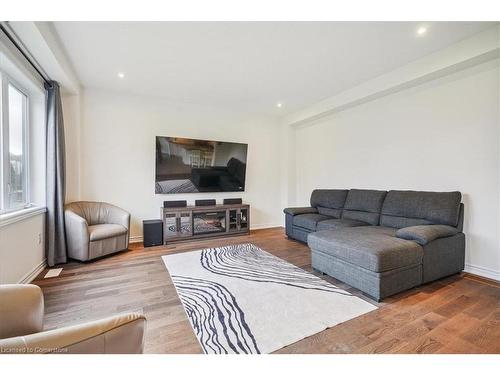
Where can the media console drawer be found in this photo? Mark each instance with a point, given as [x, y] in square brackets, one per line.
[191, 222]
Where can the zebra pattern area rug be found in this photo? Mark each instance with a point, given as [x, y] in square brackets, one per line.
[241, 299]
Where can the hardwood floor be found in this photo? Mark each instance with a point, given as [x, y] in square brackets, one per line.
[459, 314]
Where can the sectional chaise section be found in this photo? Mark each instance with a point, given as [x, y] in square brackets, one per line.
[382, 242]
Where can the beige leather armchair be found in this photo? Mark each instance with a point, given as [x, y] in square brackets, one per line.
[94, 229]
[21, 323]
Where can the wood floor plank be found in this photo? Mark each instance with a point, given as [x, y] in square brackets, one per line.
[421, 345]
[458, 314]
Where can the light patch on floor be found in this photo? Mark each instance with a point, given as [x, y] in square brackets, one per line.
[54, 272]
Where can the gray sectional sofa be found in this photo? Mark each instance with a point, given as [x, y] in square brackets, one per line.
[382, 242]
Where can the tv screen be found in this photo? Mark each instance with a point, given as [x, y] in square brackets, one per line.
[186, 165]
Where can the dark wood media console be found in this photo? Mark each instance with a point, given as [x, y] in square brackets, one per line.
[191, 222]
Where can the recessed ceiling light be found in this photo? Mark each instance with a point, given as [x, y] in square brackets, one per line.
[121, 75]
[279, 104]
[421, 30]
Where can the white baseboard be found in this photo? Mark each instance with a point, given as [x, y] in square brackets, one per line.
[482, 271]
[265, 226]
[137, 239]
[30, 276]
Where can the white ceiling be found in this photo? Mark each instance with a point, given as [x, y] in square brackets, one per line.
[247, 66]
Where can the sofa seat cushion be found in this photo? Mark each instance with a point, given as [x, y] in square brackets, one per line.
[309, 221]
[338, 223]
[373, 248]
[101, 231]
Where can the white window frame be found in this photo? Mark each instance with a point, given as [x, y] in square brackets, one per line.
[7, 80]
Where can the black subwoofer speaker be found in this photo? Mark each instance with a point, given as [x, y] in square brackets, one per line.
[152, 232]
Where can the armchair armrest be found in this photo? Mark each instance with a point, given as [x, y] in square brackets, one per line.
[117, 215]
[121, 334]
[300, 210]
[77, 235]
[21, 310]
[423, 234]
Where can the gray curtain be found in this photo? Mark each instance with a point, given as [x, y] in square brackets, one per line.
[55, 239]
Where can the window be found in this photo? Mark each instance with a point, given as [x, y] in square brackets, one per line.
[14, 146]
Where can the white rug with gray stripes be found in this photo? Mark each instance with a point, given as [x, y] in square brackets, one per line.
[241, 299]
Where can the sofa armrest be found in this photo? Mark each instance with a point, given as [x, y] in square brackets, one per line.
[423, 234]
[77, 235]
[300, 210]
[21, 310]
[121, 334]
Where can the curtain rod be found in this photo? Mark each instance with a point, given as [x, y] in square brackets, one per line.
[14, 39]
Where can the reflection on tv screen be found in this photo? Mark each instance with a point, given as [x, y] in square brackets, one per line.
[186, 165]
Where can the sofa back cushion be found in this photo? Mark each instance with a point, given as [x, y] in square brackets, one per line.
[408, 208]
[364, 205]
[329, 201]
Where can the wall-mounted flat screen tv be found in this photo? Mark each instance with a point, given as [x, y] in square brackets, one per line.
[186, 165]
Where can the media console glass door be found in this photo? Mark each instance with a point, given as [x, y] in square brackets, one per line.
[178, 224]
[243, 219]
[238, 219]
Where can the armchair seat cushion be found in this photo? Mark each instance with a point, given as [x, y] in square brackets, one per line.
[371, 247]
[309, 221]
[102, 231]
[339, 223]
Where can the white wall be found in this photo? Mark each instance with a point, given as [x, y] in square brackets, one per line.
[22, 253]
[440, 136]
[118, 153]
[71, 114]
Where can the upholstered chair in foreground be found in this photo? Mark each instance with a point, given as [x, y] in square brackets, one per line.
[21, 323]
[95, 229]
